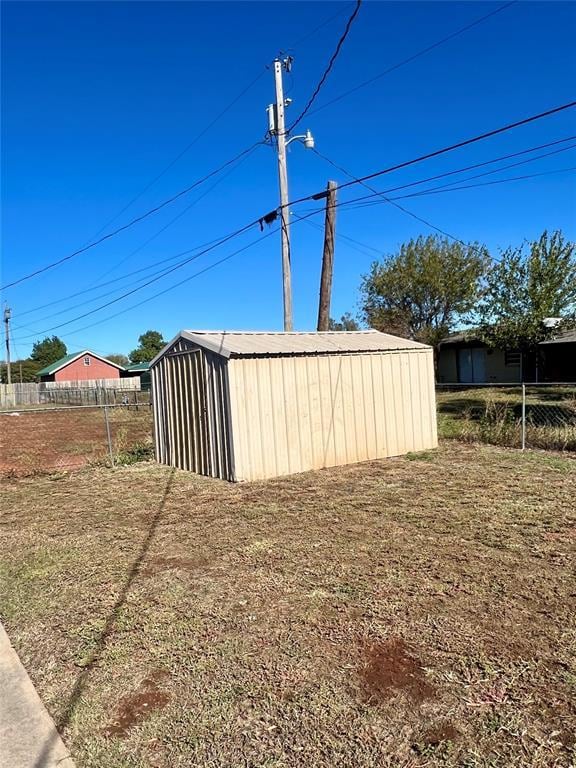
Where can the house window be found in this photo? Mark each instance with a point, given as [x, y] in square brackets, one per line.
[86, 360]
[512, 358]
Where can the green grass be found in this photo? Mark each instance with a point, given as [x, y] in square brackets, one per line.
[411, 612]
[494, 415]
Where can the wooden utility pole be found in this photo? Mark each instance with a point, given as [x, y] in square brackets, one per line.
[327, 258]
[7, 314]
[280, 126]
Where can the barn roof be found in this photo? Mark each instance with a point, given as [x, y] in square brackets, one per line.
[64, 361]
[260, 343]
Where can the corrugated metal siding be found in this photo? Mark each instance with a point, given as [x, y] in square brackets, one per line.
[256, 343]
[291, 414]
[191, 414]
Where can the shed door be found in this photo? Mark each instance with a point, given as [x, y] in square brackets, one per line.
[187, 421]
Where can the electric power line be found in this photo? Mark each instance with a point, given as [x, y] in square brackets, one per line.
[181, 264]
[182, 212]
[407, 163]
[382, 193]
[318, 28]
[349, 203]
[356, 245]
[181, 154]
[478, 165]
[417, 55]
[367, 198]
[442, 151]
[329, 66]
[397, 205]
[135, 220]
[495, 181]
[185, 280]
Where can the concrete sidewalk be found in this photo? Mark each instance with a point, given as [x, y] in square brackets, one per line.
[28, 737]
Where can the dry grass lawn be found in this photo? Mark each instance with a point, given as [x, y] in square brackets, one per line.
[410, 612]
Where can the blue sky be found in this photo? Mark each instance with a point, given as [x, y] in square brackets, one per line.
[98, 98]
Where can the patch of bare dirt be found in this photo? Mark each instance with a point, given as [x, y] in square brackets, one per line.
[434, 736]
[137, 706]
[50, 441]
[390, 668]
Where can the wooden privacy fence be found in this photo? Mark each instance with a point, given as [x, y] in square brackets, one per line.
[97, 392]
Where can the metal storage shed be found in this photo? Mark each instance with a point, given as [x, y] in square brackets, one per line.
[248, 406]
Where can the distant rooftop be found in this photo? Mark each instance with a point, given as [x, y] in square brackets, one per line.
[568, 337]
[48, 370]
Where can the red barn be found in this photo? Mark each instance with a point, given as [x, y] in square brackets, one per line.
[81, 366]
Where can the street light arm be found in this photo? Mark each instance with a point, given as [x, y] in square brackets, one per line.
[307, 138]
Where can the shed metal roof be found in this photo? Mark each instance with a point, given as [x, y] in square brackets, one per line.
[260, 343]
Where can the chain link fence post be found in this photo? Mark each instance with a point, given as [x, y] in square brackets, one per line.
[523, 417]
[108, 435]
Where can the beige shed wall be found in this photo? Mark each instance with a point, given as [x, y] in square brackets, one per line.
[292, 414]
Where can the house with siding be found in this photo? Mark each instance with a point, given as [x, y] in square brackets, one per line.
[465, 359]
[80, 366]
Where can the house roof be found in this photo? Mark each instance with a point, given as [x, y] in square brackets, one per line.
[67, 359]
[138, 367]
[460, 337]
[260, 343]
[568, 337]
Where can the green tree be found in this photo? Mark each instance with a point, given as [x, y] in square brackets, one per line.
[150, 343]
[119, 359]
[48, 351]
[21, 370]
[425, 290]
[526, 286]
[346, 323]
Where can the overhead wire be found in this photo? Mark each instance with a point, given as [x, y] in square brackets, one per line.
[350, 204]
[397, 205]
[495, 181]
[442, 151]
[185, 280]
[181, 264]
[328, 68]
[136, 220]
[318, 28]
[183, 211]
[414, 56]
[317, 196]
[479, 165]
[367, 198]
[181, 154]
[356, 245]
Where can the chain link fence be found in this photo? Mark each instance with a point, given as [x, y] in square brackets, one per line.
[514, 415]
[54, 438]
